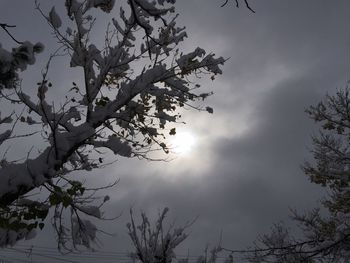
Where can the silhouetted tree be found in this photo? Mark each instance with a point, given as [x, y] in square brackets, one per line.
[131, 93]
[326, 231]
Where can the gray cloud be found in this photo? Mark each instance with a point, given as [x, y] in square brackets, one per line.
[246, 174]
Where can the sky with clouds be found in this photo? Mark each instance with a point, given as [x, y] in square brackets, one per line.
[243, 173]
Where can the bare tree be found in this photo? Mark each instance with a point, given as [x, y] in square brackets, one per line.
[157, 244]
[131, 93]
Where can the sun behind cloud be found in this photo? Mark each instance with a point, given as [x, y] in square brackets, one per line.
[183, 143]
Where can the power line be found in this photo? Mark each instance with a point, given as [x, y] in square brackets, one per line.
[104, 256]
[11, 259]
[47, 256]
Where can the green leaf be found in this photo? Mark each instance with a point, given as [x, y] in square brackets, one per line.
[67, 201]
[54, 199]
[328, 126]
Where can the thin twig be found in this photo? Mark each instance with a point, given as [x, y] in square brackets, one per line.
[4, 27]
[237, 5]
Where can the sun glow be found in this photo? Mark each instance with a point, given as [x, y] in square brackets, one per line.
[183, 143]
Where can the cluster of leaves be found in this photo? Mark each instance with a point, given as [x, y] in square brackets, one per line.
[27, 212]
[59, 196]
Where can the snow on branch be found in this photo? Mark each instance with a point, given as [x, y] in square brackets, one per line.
[118, 105]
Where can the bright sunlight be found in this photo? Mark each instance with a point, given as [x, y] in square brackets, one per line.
[183, 143]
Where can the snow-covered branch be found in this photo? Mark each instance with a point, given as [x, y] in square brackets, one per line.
[131, 89]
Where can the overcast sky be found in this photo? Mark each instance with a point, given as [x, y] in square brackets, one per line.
[243, 173]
